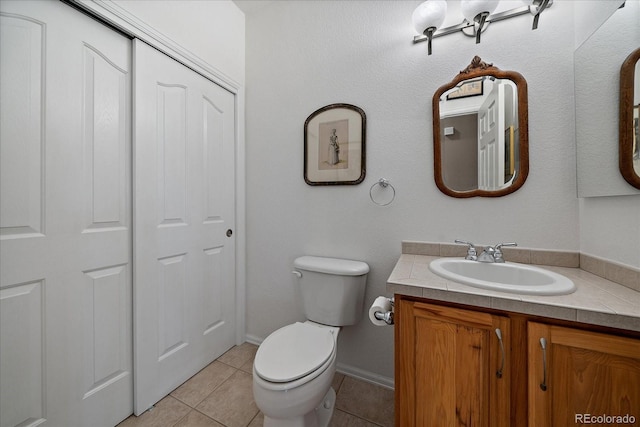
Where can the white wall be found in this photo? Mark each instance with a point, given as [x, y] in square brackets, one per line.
[589, 16]
[609, 226]
[598, 59]
[213, 30]
[302, 55]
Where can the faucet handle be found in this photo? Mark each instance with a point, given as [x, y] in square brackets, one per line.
[472, 254]
[498, 253]
[499, 245]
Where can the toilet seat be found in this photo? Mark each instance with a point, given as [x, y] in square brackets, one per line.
[293, 352]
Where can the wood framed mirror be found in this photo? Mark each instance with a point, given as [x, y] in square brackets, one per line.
[481, 132]
[630, 118]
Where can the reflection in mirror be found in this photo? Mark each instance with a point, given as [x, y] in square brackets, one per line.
[636, 119]
[480, 132]
[597, 68]
[629, 119]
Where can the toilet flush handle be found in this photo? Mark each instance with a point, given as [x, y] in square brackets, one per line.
[296, 273]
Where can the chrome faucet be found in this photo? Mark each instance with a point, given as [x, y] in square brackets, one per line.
[497, 255]
[489, 253]
[472, 254]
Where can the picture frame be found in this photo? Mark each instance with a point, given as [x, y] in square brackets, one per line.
[334, 145]
[467, 89]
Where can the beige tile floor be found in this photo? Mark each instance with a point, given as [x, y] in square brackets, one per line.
[221, 396]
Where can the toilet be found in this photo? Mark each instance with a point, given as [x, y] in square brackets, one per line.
[294, 366]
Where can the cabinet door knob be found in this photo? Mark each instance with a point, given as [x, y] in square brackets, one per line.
[229, 232]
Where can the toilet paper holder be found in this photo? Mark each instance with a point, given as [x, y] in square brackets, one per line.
[385, 316]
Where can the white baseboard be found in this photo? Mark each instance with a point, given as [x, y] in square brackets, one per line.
[349, 370]
[367, 376]
[252, 339]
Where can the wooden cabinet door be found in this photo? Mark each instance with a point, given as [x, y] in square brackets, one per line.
[447, 363]
[583, 374]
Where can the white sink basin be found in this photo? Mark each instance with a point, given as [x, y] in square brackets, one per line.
[508, 277]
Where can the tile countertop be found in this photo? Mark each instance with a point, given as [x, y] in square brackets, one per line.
[596, 301]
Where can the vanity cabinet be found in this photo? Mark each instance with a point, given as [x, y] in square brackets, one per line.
[450, 366]
[581, 374]
[449, 358]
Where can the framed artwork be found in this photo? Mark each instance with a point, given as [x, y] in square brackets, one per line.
[467, 88]
[334, 145]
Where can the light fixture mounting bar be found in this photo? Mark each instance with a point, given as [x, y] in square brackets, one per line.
[492, 18]
[443, 31]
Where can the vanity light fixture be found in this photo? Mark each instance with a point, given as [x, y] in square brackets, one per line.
[429, 16]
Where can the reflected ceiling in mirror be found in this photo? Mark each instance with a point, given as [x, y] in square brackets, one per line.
[480, 132]
[629, 119]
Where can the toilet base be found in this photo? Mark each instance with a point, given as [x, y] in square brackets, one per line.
[319, 417]
[325, 410]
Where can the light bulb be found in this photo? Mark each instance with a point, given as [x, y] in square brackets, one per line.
[429, 14]
[471, 8]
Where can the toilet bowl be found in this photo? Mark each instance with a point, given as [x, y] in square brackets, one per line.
[294, 366]
[292, 375]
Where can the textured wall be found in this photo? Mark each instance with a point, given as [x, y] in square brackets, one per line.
[610, 228]
[302, 55]
[597, 81]
[213, 30]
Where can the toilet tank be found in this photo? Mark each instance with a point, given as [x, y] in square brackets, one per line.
[332, 289]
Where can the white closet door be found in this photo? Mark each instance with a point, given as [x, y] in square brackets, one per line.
[65, 222]
[184, 200]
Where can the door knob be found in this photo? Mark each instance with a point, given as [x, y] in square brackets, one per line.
[229, 232]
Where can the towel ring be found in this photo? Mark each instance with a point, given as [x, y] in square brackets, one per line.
[383, 183]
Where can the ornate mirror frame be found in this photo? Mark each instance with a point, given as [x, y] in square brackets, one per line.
[627, 127]
[479, 68]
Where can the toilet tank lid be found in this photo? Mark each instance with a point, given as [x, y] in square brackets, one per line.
[343, 267]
